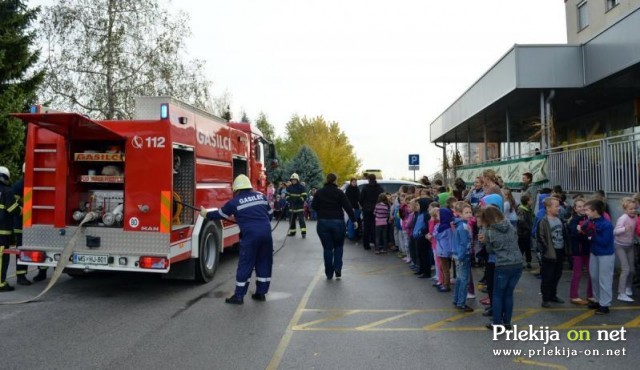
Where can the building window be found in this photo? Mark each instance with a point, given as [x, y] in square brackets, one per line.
[583, 16]
[612, 4]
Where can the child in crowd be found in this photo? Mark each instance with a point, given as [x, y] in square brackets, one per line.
[381, 214]
[602, 259]
[462, 254]
[434, 213]
[552, 240]
[423, 246]
[624, 232]
[500, 238]
[396, 212]
[509, 206]
[524, 226]
[407, 228]
[579, 253]
[444, 238]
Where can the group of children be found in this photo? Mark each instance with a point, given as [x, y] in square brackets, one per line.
[505, 236]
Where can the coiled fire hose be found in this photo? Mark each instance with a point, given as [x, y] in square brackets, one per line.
[62, 263]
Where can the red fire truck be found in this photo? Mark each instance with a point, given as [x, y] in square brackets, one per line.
[134, 179]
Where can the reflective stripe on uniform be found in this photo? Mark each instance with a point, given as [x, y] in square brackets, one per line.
[223, 214]
[240, 283]
[6, 232]
[263, 280]
[251, 204]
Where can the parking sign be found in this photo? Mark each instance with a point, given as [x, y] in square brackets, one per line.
[414, 159]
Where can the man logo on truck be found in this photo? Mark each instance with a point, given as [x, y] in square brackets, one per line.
[214, 140]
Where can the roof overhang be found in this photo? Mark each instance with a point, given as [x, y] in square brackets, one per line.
[513, 82]
[602, 72]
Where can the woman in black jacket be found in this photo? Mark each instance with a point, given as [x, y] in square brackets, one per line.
[329, 202]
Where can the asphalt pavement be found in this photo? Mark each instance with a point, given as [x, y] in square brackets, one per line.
[378, 316]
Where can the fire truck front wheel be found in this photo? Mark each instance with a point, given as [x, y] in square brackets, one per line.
[209, 254]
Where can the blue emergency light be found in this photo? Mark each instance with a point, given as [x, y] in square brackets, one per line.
[164, 111]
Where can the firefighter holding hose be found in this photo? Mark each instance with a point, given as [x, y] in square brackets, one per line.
[251, 211]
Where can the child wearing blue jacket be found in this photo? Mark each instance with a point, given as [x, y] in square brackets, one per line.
[462, 254]
[599, 231]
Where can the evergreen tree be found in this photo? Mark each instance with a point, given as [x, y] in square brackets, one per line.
[267, 129]
[18, 80]
[307, 166]
[245, 118]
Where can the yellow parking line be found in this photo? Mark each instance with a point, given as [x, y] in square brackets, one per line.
[384, 321]
[523, 360]
[445, 321]
[575, 320]
[633, 323]
[326, 319]
[524, 315]
[288, 333]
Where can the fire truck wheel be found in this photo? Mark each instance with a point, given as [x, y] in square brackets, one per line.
[209, 254]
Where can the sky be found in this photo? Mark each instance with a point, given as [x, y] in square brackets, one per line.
[384, 70]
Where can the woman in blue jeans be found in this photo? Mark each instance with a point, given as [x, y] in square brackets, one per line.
[329, 202]
[501, 238]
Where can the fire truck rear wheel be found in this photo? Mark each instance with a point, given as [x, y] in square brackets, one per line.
[209, 254]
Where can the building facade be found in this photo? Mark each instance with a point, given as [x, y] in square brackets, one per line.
[567, 113]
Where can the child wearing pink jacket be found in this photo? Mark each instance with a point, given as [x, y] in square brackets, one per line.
[623, 242]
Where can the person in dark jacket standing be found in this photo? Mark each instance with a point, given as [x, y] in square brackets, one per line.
[8, 208]
[368, 199]
[353, 195]
[296, 195]
[329, 203]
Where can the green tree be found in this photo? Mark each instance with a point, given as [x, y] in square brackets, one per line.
[306, 164]
[267, 129]
[101, 54]
[19, 80]
[245, 118]
[331, 145]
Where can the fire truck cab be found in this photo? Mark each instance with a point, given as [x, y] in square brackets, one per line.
[135, 180]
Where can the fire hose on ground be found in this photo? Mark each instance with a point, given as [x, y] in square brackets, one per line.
[62, 262]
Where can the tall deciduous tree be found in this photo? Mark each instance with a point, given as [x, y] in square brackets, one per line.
[18, 80]
[306, 164]
[101, 54]
[327, 140]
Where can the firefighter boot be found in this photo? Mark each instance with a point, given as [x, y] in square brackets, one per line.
[6, 288]
[259, 297]
[22, 280]
[42, 275]
[234, 299]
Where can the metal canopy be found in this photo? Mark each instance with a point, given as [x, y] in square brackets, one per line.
[602, 73]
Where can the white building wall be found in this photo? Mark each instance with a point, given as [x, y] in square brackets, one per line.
[599, 18]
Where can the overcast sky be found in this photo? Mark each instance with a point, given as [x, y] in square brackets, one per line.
[383, 69]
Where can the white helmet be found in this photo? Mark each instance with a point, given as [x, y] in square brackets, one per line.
[294, 176]
[241, 182]
[5, 171]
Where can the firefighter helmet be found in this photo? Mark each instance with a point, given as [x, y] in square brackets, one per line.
[294, 176]
[4, 171]
[241, 182]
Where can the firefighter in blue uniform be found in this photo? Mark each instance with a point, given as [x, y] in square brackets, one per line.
[251, 211]
[8, 207]
[296, 195]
